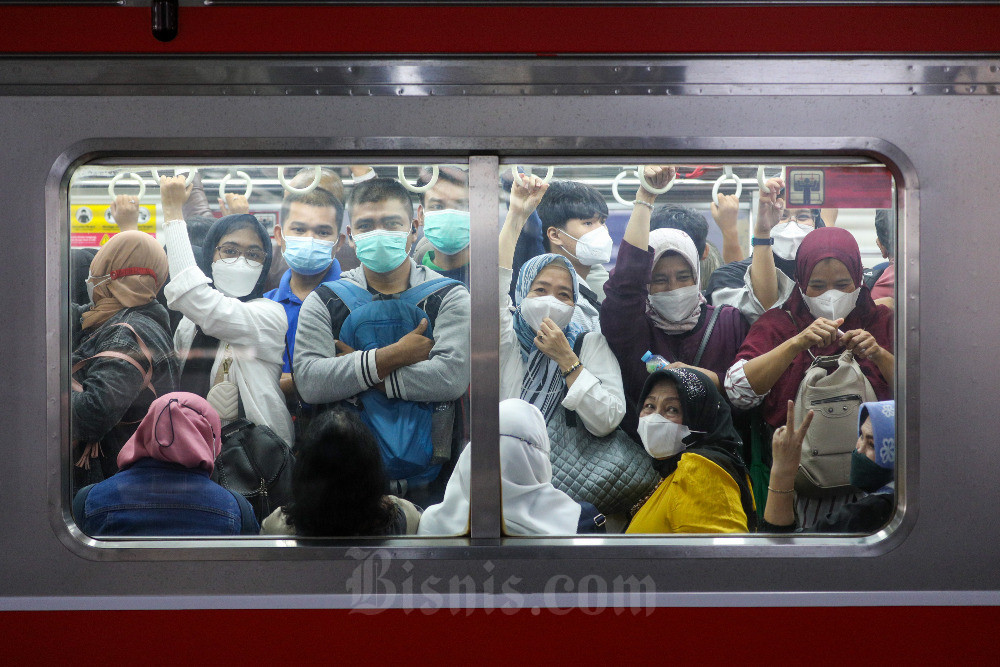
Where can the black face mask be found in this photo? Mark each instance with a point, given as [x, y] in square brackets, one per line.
[866, 474]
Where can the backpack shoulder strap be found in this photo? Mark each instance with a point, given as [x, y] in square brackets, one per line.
[708, 334]
[335, 305]
[590, 295]
[147, 374]
[353, 296]
[418, 293]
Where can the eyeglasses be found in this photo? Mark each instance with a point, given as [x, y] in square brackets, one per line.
[230, 253]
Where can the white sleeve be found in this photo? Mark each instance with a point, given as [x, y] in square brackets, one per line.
[746, 301]
[511, 365]
[738, 388]
[597, 395]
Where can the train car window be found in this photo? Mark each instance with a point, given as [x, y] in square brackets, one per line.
[697, 348]
[267, 349]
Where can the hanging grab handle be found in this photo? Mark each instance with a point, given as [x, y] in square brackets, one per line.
[520, 181]
[649, 188]
[760, 176]
[614, 188]
[299, 191]
[187, 181]
[239, 174]
[727, 175]
[414, 188]
[134, 177]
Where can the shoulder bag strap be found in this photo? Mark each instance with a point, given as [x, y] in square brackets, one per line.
[147, 374]
[796, 325]
[708, 334]
[577, 349]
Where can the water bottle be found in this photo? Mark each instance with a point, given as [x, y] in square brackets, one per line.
[654, 362]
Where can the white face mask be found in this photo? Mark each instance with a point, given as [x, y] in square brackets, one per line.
[832, 304]
[235, 279]
[676, 305]
[787, 237]
[536, 309]
[594, 247]
[661, 437]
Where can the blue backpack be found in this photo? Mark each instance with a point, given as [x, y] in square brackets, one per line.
[403, 428]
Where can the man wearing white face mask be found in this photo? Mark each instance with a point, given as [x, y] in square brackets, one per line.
[686, 426]
[415, 367]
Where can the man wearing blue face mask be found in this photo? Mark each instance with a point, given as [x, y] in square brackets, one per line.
[444, 210]
[308, 237]
[391, 337]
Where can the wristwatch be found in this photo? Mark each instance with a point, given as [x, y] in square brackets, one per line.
[756, 241]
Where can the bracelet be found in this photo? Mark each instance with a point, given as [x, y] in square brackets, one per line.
[572, 368]
[759, 241]
[780, 490]
[643, 203]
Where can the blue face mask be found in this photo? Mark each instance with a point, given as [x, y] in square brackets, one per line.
[307, 255]
[447, 230]
[381, 250]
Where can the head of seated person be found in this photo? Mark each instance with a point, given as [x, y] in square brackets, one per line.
[309, 234]
[444, 209]
[674, 302]
[873, 461]
[237, 255]
[687, 220]
[339, 483]
[574, 224]
[164, 486]
[382, 227]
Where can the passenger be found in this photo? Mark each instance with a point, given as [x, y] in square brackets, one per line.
[79, 270]
[531, 505]
[882, 279]
[445, 212]
[766, 279]
[872, 470]
[229, 331]
[122, 352]
[338, 485]
[538, 358]
[414, 368]
[164, 487]
[686, 425]
[781, 345]
[570, 211]
[692, 223]
[308, 238]
[653, 303]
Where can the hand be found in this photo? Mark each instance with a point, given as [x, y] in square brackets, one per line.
[820, 333]
[359, 170]
[862, 344]
[657, 177]
[233, 204]
[786, 447]
[551, 341]
[769, 208]
[173, 194]
[524, 199]
[342, 348]
[125, 210]
[415, 346]
[725, 212]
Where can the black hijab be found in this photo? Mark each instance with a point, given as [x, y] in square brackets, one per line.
[195, 377]
[713, 436]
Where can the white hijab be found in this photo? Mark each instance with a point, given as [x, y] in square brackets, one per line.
[531, 505]
[666, 240]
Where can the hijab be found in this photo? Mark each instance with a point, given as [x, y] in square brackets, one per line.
[531, 505]
[883, 416]
[128, 259]
[543, 385]
[666, 240]
[178, 428]
[196, 376]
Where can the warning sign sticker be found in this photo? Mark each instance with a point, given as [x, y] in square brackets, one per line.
[92, 225]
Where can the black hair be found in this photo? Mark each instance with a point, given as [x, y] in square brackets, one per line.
[454, 175]
[376, 190]
[688, 220]
[198, 227]
[885, 229]
[318, 198]
[339, 482]
[227, 225]
[566, 200]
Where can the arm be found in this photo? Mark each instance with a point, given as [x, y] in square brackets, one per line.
[637, 230]
[763, 372]
[511, 365]
[762, 270]
[725, 214]
[596, 393]
[523, 201]
[125, 210]
[786, 450]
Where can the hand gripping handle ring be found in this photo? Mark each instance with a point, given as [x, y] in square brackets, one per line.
[134, 177]
[761, 180]
[649, 188]
[727, 175]
[187, 181]
[520, 181]
[228, 177]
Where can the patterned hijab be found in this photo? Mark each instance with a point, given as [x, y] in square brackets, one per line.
[131, 268]
[543, 385]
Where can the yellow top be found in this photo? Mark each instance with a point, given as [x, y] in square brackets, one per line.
[698, 497]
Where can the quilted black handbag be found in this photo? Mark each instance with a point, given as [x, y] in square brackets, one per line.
[256, 464]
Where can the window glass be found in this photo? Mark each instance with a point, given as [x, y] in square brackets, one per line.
[264, 349]
[655, 323]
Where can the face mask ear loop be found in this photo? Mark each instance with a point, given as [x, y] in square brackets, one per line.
[159, 419]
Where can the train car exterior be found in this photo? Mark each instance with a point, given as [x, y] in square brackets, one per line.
[278, 89]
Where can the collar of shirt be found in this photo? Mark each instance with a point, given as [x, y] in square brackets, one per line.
[284, 294]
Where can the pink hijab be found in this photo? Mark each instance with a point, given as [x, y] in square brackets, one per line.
[179, 428]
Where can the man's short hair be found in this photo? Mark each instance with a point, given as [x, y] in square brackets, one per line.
[319, 198]
[566, 200]
[377, 190]
[688, 220]
[885, 229]
[459, 177]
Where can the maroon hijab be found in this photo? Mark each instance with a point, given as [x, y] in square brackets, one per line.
[776, 325]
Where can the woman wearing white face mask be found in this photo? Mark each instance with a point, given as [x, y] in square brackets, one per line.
[227, 324]
[653, 303]
[537, 358]
[686, 425]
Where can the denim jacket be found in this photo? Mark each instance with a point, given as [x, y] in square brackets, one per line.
[155, 498]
